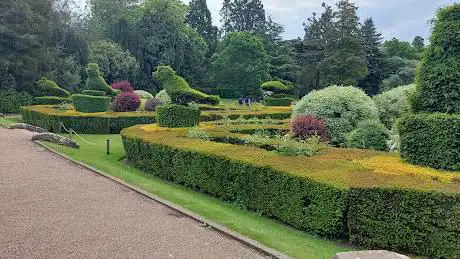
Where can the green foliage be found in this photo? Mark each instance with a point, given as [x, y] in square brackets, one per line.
[286, 101]
[50, 88]
[90, 104]
[12, 100]
[96, 82]
[94, 92]
[403, 49]
[394, 104]
[179, 90]
[341, 107]
[438, 76]
[199, 18]
[369, 134]
[423, 223]
[235, 16]
[275, 86]
[177, 116]
[431, 139]
[115, 63]
[163, 95]
[51, 100]
[144, 94]
[197, 132]
[241, 64]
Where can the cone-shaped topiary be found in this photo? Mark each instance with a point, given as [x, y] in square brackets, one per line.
[438, 76]
[96, 82]
[50, 88]
[179, 90]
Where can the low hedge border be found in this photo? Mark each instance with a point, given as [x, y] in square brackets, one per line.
[285, 101]
[431, 140]
[90, 103]
[330, 194]
[48, 117]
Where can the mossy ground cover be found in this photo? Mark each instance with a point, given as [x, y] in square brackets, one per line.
[269, 232]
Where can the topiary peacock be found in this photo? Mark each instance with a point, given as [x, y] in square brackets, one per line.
[179, 90]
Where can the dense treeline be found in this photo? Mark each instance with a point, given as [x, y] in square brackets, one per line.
[130, 38]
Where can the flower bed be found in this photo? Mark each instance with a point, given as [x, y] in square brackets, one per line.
[369, 197]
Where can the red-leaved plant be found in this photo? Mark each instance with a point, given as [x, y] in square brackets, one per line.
[126, 102]
[306, 126]
[124, 86]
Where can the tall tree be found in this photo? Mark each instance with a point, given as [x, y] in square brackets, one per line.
[199, 18]
[372, 41]
[318, 34]
[403, 49]
[243, 16]
[345, 58]
[241, 66]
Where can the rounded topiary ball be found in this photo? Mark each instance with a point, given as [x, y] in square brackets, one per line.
[394, 104]
[370, 134]
[341, 107]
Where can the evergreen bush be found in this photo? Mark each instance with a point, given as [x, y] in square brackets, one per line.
[90, 104]
[177, 116]
[394, 104]
[370, 134]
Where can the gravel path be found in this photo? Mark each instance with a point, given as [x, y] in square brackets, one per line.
[51, 208]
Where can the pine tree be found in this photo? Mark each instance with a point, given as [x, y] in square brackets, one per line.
[372, 41]
[199, 18]
[243, 16]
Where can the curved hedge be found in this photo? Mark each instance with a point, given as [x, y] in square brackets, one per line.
[274, 86]
[370, 197]
[90, 104]
[177, 116]
[431, 140]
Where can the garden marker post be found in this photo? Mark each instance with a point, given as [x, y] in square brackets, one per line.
[108, 147]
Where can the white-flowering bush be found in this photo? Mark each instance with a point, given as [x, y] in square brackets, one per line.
[394, 104]
[163, 95]
[341, 107]
[144, 94]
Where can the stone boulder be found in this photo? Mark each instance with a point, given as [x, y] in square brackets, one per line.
[370, 254]
[28, 127]
[54, 138]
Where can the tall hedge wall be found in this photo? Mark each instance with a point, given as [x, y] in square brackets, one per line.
[431, 139]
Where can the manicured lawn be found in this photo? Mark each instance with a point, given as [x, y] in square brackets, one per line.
[269, 232]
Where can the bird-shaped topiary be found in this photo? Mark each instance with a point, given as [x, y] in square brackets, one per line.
[96, 82]
[50, 88]
[179, 90]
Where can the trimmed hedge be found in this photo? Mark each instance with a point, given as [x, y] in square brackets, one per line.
[90, 104]
[93, 92]
[297, 201]
[86, 123]
[50, 88]
[177, 116]
[274, 86]
[329, 194]
[286, 101]
[51, 100]
[431, 140]
[425, 223]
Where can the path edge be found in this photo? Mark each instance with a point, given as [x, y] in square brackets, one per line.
[217, 227]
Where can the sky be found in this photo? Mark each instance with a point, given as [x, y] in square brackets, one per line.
[403, 19]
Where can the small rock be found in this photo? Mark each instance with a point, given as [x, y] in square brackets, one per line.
[2, 115]
[51, 137]
[370, 254]
[28, 127]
